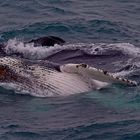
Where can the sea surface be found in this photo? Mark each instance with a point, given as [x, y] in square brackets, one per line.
[101, 33]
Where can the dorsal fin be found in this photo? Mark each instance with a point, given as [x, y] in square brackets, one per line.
[47, 41]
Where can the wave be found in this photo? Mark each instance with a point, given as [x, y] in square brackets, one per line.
[30, 51]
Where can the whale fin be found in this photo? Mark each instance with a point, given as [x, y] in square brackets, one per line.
[96, 74]
[47, 41]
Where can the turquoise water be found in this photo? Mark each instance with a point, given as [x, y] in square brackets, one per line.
[111, 113]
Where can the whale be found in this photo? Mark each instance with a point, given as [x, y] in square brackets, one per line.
[49, 78]
[54, 79]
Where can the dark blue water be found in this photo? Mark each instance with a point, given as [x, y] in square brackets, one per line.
[111, 113]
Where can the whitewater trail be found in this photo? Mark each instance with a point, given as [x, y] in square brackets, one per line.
[38, 52]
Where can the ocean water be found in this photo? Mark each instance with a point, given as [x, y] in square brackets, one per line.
[102, 33]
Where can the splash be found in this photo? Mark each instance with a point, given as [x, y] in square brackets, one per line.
[28, 50]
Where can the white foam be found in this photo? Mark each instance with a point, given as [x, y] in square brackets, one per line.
[17, 88]
[127, 48]
[123, 73]
[28, 50]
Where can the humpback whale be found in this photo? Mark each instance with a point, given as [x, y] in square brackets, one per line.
[52, 79]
